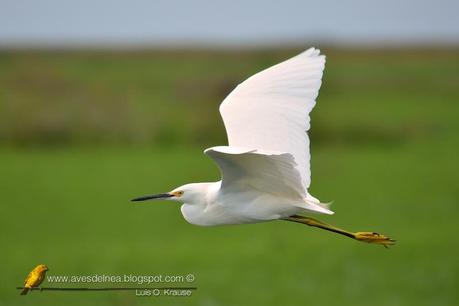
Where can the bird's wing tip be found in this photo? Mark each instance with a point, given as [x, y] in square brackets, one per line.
[312, 53]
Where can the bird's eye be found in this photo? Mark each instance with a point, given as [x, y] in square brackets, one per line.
[180, 193]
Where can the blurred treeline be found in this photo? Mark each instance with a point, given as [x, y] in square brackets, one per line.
[171, 97]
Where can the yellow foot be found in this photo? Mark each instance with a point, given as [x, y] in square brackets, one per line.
[371, 237]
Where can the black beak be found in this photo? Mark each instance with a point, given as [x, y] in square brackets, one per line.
[155, 196]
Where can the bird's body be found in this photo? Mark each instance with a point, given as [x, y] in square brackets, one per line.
[35, 278]
[253, 198]
[266, 166]
[248, 206]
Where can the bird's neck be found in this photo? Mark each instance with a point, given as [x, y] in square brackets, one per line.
[204, 193]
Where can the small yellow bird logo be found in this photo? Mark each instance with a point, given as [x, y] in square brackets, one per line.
[34, 279]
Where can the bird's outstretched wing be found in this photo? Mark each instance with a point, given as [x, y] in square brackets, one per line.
[265, 171]
[270, 110]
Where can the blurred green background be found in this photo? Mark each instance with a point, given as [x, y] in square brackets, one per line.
[82, 132]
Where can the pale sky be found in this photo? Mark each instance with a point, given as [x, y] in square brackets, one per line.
[231, 22]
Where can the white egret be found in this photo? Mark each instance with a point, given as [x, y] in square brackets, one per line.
[266, 167]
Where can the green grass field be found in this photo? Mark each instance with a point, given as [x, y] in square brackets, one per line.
[384, 149]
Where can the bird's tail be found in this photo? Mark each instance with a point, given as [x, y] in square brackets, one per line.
[315, 205]
[319, 207]
[24, 291]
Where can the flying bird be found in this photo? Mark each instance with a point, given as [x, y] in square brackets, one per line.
[35, 278]
[265, 169]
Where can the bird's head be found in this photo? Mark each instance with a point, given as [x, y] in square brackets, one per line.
[41, 268]
[189, 193]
